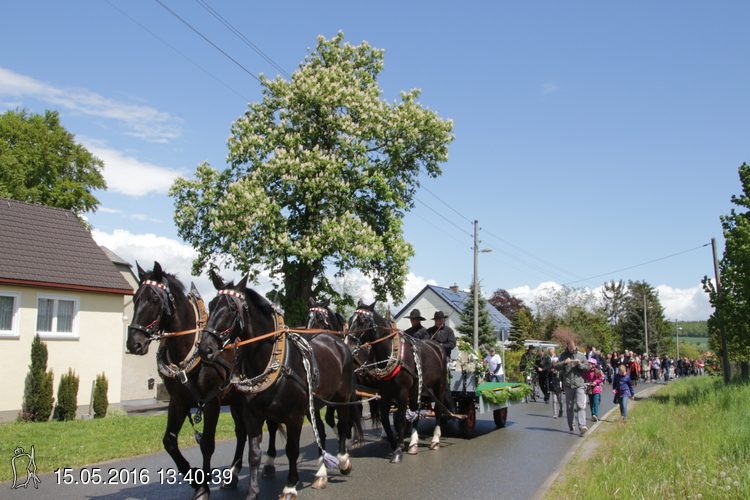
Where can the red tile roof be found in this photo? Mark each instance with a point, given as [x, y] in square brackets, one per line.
[45, 246]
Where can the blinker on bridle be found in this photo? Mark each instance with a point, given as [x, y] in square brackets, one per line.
[223, 337]
[162, 291]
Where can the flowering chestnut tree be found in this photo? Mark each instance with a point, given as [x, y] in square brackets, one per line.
[321, 173]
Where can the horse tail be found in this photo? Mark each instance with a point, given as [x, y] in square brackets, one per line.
[374, 414]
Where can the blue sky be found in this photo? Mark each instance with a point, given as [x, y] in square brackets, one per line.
[591, 137]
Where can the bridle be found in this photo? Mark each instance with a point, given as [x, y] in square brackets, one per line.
[236, 303]
[312, 314]
[153, 330]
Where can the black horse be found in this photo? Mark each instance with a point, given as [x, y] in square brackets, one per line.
[163, 311]
[320, 316]
[276, 372]
[402, 370]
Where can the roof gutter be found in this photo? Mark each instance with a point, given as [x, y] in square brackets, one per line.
[60, 286]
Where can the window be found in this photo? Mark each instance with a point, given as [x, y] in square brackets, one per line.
[57, 317]
[9, 314]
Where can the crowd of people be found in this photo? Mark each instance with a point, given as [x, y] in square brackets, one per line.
[580, 376]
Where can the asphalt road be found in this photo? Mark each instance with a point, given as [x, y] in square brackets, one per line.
[509, 463]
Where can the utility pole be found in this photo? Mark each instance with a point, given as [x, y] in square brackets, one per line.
[645, 320]
[724, 353]
[476, 286]
[677, 332]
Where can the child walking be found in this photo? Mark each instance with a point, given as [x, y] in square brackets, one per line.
[594, 379]
[623, 390]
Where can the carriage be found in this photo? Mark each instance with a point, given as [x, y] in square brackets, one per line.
[472, 397]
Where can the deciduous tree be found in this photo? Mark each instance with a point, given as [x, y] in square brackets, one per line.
[40, 162]
[322, 172]
[506, 303]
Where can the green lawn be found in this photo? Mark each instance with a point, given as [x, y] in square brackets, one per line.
[688, 440]
[81, 442]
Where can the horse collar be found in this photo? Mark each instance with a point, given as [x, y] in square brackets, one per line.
[270, 375]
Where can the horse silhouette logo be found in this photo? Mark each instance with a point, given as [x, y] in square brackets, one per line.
[17, 464]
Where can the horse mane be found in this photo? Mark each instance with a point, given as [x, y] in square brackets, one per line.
[259, 302]
[175, 285]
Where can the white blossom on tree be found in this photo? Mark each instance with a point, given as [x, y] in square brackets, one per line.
[321, 173]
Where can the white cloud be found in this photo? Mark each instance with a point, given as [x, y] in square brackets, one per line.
[143, 122]
[174, 257]
[125, 174]
[550, 88]
[689, 304]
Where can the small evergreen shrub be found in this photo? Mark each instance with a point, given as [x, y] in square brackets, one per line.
[39, 399]
[101, 403]
[67, 396]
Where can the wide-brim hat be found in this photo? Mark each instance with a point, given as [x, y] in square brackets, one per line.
[414, 314]
[439, 315]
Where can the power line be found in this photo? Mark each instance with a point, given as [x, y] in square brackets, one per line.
[448, 205]
[638, 265]
[242, 37]
[444, 218]
[206, 39]
[180, 53]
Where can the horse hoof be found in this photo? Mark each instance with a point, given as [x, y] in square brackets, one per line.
[288, 496]
[202, 493]
[413, 449]
[320, 483]
[269, 471]
[396, 458]
[348, 470]
[435, 446]
[232, 483]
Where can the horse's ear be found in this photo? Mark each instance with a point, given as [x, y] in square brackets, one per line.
[372, 306]
[311, 301]
[157, 272]
[216, 280]
[242, 284]
[141, 272]
[360, 304]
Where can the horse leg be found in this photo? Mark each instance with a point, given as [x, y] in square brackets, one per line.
[439, 391]
[344, 428]
[269, 470]
[254, 427]
[385, 420]
[321, 477]
[414, 439]
[241, 434]
[331, 417]
[176, 415]
[293, 432]
[399, 422]
[207, 445]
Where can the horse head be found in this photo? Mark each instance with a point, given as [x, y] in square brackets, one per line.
[364, 323]
[153, 306]
[227, 319]
[319, 315]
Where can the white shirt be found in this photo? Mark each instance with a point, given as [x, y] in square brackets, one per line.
[494, 364]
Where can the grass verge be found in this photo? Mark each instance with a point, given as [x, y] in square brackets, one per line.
[81, 442]
[689, 440]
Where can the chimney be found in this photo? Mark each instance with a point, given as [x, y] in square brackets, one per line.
[454, 289]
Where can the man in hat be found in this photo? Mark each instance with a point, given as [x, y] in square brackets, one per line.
[416, 330]
[442, 334]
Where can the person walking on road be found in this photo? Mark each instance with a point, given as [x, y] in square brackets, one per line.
[573, 364]
[494, 366]
[554, 383]
[594, 379]
[622, 387]
[545, 363]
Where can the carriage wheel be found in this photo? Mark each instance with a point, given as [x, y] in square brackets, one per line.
[466, 426]
[501, 416]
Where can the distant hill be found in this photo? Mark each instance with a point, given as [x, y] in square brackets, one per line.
[693, 329]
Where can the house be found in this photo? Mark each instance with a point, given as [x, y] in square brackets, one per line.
[451, 301]
[56, 282]
[139, 373]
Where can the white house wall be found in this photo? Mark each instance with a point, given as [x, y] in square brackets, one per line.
[428, 304]
[98, 348]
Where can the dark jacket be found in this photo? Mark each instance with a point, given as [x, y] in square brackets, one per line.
[572, 374]
[416, 331]
[444, 337]
[623, 385]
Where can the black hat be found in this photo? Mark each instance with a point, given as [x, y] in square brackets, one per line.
[439, 315]
[415, 315]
